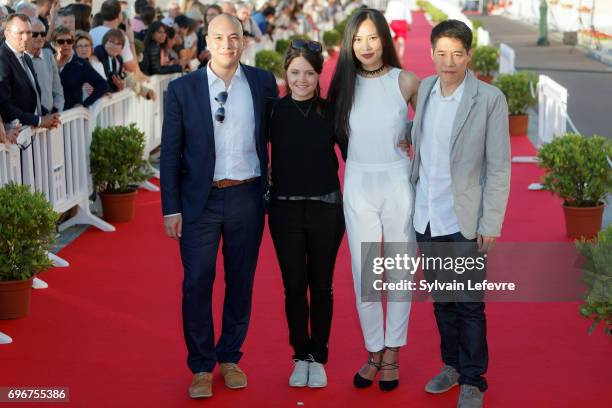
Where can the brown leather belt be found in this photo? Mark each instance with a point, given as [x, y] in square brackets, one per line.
[225, 183]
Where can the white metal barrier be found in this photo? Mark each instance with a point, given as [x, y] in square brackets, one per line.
[552, 117]
[552, 109]
[57, 164]
[10, 164]
[506, 59]
[125, 107]
[483, 37]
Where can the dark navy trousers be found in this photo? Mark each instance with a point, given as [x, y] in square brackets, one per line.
[462, 324]
[235, 215]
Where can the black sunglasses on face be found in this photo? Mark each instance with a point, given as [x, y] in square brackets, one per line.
[220, 113]
[61, 41]
[313, 46]
[36, 34]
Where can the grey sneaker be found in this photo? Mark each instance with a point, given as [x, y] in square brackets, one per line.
[316, 375]
[299, 377]
[470, 397]
[443, 382]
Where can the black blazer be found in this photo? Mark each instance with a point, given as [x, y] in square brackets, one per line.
[187, 162]
[75, 74]
[151, 61]
[17, 96]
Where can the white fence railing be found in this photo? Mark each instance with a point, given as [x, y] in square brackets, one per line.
[506, 59]
[552, 109]
[56, 162]
[483, 37]
[10, 164]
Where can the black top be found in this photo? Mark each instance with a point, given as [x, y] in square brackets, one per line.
[74, 75]
[112, 66]
[304, 161]
[151, 62]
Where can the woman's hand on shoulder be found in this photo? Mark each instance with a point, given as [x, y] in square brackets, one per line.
[409, 85]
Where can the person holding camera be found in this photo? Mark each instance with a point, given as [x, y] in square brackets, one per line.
[109, 55]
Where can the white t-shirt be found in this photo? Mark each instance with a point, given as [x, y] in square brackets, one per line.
[97, 34]
[398, 10]
[190, 40]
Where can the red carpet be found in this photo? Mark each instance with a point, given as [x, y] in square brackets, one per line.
[109, 326]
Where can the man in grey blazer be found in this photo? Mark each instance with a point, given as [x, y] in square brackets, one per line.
[461, 174]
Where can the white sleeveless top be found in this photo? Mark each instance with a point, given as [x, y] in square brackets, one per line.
[378, 120]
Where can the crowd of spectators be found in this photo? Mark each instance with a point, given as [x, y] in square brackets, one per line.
[55, 56]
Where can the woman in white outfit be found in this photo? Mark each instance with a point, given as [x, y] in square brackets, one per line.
[371, 94]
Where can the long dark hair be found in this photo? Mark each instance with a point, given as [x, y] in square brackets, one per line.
[342, 89]
[156, 25]
[316, 60]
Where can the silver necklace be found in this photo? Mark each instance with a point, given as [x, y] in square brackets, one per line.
[300, 109]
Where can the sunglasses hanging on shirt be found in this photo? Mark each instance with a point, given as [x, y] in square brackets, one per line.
[221, 98]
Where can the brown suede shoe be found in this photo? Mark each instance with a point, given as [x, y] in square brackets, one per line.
[201, 385]
[233, 376]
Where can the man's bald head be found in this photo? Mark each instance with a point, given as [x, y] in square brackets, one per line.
[225, 41]
[222, 21]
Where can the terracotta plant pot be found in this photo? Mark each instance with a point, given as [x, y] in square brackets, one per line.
[331, 51]
[519, 125]
[583, 222]
[485, 78]
[15, 298]
[118, 207]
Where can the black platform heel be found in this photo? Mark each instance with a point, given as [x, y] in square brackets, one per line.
[389, 385]
[359, 381]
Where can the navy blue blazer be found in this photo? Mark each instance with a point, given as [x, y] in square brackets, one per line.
[187, 162]
[75, 74]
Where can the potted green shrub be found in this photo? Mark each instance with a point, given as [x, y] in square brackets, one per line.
[27, 231]
[435, 14]
[282, 46]
[331, 39]
[270, 60]
[578, 171]
[518, 91]
[485, 62]
[597, 274]
[117, 166]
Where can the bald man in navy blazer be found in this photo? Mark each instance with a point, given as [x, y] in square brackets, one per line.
[213, 180]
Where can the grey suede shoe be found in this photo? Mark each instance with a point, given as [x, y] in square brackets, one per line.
[470, 397]
[299, 377]
[316, 375]
[443, 382]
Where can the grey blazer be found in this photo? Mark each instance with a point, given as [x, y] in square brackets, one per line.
[480, 155]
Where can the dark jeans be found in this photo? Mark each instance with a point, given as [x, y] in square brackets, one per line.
[306, 237]
[462, 324]
[237, 215]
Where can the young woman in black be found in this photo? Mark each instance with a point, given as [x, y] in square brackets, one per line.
[306, 219]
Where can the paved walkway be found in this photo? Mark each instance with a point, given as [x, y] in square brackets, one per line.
[588, 81]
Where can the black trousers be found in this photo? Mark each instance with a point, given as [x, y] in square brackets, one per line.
[306, 236]
[462, 324]
[235, 214]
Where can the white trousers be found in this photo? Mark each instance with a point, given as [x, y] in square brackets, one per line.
[378, 205]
